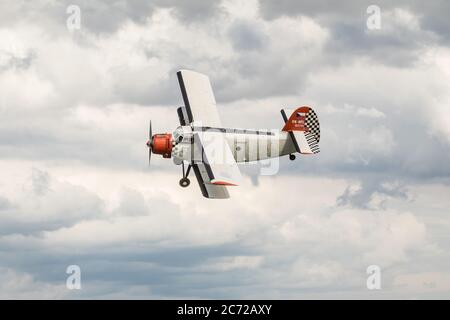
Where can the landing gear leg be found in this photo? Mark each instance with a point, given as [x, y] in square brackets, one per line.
[292, 157]
[184, 182]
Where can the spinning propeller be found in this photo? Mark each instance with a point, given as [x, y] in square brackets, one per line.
[150, 142]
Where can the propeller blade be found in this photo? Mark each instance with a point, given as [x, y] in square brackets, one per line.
[149, 155]
[149, 142]
[150, 130]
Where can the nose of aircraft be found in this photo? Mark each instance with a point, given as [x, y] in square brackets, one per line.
[161, 144]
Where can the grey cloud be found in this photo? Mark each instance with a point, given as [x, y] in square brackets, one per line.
[433, 17]
[131, 85]
[362, 197]
[290, 262]
[40, 181]
[169, 273]
[349, 34]
[352, 10]
[244, 36]
[10, 60]
[400, 49]
[4, 203]
[201, 271]
[270, 9]
[102, 16]
[42, 207]
[133, 203]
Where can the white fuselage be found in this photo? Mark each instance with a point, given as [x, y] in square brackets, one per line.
[246, 145]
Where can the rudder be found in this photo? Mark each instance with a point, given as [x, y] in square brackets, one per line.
[304, 128]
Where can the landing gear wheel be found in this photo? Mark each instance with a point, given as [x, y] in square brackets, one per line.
[184, 182]
[292, 157]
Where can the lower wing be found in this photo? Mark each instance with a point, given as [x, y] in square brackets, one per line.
[209, 190]
[214, 166]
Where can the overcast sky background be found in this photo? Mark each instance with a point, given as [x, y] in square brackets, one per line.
[75, 187]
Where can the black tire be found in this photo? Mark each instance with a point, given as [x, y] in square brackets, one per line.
[184, 182]
[292, 157]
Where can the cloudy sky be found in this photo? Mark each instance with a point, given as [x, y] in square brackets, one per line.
[75, 188]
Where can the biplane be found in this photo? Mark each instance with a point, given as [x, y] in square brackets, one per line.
[203, 145]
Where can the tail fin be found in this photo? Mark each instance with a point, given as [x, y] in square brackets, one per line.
[303, 126]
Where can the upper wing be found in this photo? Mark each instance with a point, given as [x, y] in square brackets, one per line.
[198, 98]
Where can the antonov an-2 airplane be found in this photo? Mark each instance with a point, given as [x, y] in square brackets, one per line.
[212, 151]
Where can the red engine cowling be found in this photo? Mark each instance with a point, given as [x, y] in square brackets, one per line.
[162, 144]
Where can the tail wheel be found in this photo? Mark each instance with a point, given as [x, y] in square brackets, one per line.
[292, 157]
[184, 182]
